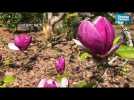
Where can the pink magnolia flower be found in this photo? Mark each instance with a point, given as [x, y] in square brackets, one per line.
[97, 36]
[20, 42]
[51, 83]
[44, 83]
[60, 65]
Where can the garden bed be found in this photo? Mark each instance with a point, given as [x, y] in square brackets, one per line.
[78, 72]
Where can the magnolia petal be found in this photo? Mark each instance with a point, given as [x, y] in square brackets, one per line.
[12, 46]
[42, 83]
[50, 84]
[106, 30]
[50, 81]
[97, 36]
[57, 84]
[90, 37]
[64, 82]
[23, 41]
[60, 65]
[79, 44]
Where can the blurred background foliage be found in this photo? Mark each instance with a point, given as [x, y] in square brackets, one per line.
[67, 25]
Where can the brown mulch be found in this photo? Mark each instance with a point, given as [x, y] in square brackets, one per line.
[44, 65]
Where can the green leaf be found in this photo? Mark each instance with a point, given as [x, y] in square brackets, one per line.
[8, 79]
[2, 86]
[125, 52]
[81, 84]
[116, 40]
[12, 25]
[66, 74]
[71, 15]
[83, 56]
[1, 82]
[59, 77]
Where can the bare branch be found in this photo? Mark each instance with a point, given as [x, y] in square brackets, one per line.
[56, 19]
[49, 17]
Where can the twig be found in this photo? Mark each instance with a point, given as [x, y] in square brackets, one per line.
[112, 60]
[113, 49]
[124, 62]
[104, 74]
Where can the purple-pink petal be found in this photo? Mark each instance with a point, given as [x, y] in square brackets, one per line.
[90, 37]
[44, 83]
[105, 28]
[60, 65]
[22, 41]
[98, 36]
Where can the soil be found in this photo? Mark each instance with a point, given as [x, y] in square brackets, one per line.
[28, 74]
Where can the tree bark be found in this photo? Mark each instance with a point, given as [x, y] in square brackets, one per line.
[48, 27]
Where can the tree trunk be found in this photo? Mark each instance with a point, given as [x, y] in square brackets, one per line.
[48, 26]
